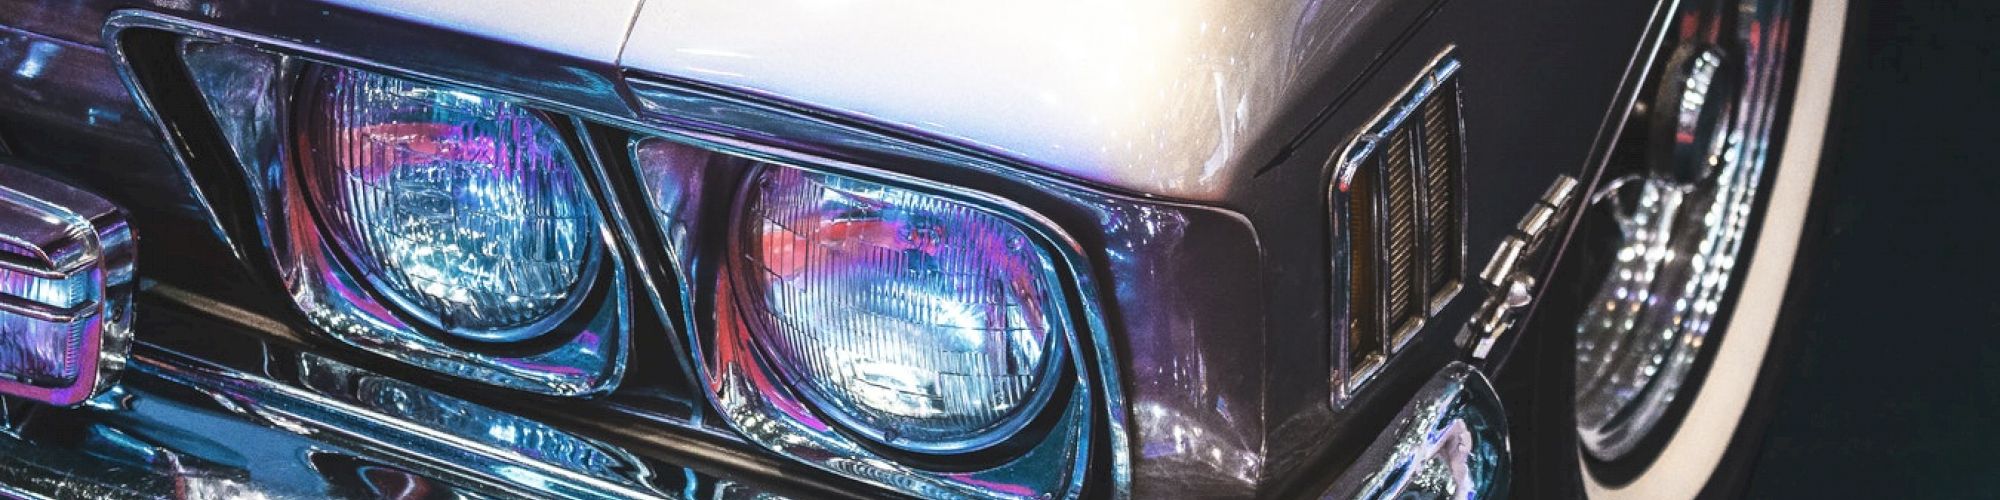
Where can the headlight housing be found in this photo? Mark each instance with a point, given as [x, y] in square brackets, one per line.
[468, 212]
[899, 332]
[919, 322]
[444, 227]
[1038, 423]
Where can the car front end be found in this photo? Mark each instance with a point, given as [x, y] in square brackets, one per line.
[803, 248]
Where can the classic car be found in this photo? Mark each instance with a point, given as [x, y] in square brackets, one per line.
[869, 248]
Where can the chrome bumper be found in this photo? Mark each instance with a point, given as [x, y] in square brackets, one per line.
[1450, 441]
[303, 425]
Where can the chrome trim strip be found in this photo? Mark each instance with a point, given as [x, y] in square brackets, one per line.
[322, 415]
[323, 420]
[643, 426]
[1391, 118]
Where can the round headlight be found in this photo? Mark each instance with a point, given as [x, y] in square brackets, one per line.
[467, 212]
[919, 322]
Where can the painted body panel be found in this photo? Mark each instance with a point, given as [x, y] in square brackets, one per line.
[589, 29]
[1160, 98]
[1157, 98]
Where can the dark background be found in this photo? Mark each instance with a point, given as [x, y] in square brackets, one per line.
[1893, 386]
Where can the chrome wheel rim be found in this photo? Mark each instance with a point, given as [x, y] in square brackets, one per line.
[1682, 214]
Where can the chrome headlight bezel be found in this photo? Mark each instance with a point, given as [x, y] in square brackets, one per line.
[249, 91]
[1051, 455]
[1091, 454]
[746, 295]
[318, 168]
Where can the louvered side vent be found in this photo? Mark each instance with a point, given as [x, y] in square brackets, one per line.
[1403, 286]
[1399, 214]
[1364, 338]
[1444, 260]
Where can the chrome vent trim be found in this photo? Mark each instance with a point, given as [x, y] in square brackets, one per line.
[1363, 348]
[1401, 184]
[1443, 214]
[1402, 281]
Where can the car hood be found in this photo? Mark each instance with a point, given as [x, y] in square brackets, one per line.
[1156, 97]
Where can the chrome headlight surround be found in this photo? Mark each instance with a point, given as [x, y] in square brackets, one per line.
[949, 325]
[1092, 454]
[765, 400]
[468, 213]
[1053, 457]
[247, 87]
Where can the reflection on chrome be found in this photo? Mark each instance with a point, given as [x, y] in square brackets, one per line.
[186, 444]
[1449, 442]
[245, 85]
[757, 400]
[768, 414]
[1681, 223]
[467, 212]
[530, 439]
[1640, 336]
[920, 322]
[66, 260]
[731, 490]
[324, 438]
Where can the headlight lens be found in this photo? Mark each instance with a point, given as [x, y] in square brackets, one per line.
[922, 323]
[38, 351]
[65, 290]
[466, 211]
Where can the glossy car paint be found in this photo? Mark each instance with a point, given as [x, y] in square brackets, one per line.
[1161, 98]
[1157, 97]
[1219, 312]
[588, 29]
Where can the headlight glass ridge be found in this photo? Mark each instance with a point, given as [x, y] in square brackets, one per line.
[920, 322]
[467, 211]
[442, 226]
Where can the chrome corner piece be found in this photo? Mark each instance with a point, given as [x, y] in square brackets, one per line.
[1449, 442]
[66, 261]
